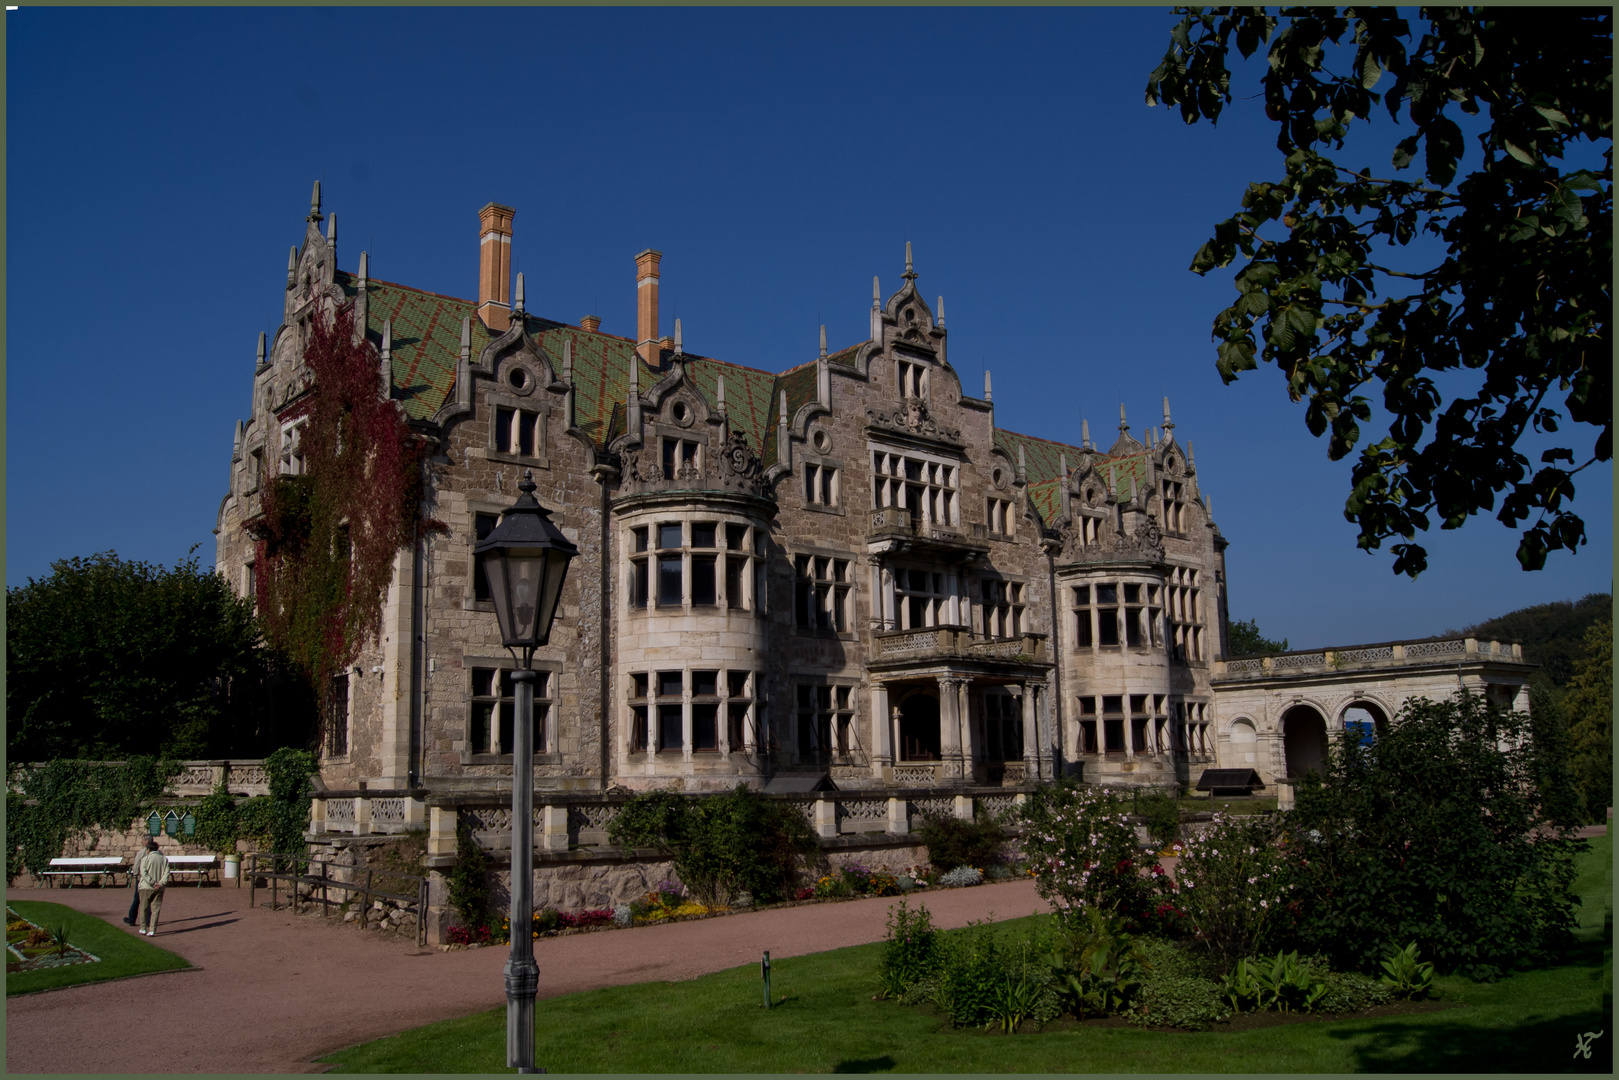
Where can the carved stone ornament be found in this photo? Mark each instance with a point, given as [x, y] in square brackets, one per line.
[740, 467]
[912, 418]
[641, 467]
[1146, 542]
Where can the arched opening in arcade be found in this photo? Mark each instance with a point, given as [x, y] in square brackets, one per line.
[1304, 740]
[1366, 720]
[919, 727]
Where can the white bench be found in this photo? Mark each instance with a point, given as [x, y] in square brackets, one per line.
[103, 866]
[200, 865]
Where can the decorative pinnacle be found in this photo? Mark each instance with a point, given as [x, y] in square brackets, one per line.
[783, 420]
[365, 268]
[1062, 464]
[876, 293]
[519, 305]
[910, 274]
[823, 341]
[1085, 434]
[941, 313]
[331, 228]
[292, 265]
[720, 393]
[314, 204]
[387, 338]
[567, 361]
[988, 395]
[1169, 425]
[261, 349]
[679, 350]
[466, 333]
[1123, 424]
[1190, 459]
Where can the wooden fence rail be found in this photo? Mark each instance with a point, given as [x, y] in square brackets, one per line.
[301, 870]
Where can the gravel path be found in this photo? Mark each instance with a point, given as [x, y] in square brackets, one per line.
[271, 991]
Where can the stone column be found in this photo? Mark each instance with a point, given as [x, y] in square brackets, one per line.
[882, 745]
[949, 731]
[685, 712]
[1031, 753]
[965, 713]
[890, 621]
[553, 828]
[953, 586]
[441, 830]
[899, 816]
[826, 817]
[362, 816]
[317, 816]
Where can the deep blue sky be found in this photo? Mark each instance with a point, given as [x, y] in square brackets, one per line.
[160, 163]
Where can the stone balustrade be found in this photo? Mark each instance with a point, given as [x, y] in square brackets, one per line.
[245, 777]
[1369, 657]
[955, 642]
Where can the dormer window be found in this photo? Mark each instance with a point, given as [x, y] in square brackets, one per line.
[913, 379]
[682, 459]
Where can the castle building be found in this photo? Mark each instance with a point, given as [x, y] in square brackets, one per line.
[845, 571]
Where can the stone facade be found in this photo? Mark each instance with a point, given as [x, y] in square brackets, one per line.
[844, 570]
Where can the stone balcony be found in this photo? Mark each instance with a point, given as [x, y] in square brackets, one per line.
[1394, 654]
[955, 643]
[897, 526]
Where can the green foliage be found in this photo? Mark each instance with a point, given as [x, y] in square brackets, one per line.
[1288, 984]
[953, 841]
[1553, 635]
[48, 805]
[289, 771]
[1232, 883]
[986, 982]
[59, 939]
[469, 878]
[328, 537]
[1083, 851]
[1508, 282]
[1161, 809]
[1098, 966]
[218, 827]
[1589, 707]
[1350, 991]
[721, 845]
[911, 950]
[255, 821]
[107, 659]
[1405, 975]
[1436, 834]
[1177, 988]
[1244, 639]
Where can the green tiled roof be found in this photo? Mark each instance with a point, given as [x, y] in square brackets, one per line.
[427, 344]
[1042, 457]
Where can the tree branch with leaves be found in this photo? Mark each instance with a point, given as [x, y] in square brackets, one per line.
[1516, 296]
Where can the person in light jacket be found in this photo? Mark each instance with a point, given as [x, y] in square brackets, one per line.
[154, 875]
[134, 885]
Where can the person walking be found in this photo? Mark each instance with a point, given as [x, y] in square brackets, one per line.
[154, 875]
[135, 885]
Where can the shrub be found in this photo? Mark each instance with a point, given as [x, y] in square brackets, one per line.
[961, 876]
[953, 841]
[289, 771]
[911, 950]
[469, 878]
[1161, 810]
[984, 982]
[1083, 851]
[1350, 991]
[623, 916]
[255, 818]
[1436, 834]
[1097, 966]
[72, 797]
[1181, 1001]
[1231, 883]
[721, 845]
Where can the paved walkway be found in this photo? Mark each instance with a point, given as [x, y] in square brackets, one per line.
[271, 992]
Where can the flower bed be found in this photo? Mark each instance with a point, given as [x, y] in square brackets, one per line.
[34, 948]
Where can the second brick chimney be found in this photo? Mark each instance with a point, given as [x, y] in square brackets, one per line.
[646, 305]
[495, 266]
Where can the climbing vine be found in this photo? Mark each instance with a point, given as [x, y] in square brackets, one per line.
[327, 538]
[49, 804]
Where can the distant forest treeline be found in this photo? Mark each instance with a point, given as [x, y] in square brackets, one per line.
[1553, 634]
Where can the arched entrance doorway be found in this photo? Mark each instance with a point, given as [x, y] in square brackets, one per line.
[919, 728]
[1365, 719]
[1304, 740]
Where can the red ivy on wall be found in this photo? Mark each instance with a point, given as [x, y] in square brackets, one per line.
[327, 538]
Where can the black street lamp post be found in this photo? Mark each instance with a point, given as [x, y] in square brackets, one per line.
[525, 560]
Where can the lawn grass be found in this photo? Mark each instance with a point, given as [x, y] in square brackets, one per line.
[121, 954]
[826, 1021]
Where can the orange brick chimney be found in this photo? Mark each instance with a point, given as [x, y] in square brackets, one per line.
[495, 266]
[646, 305]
